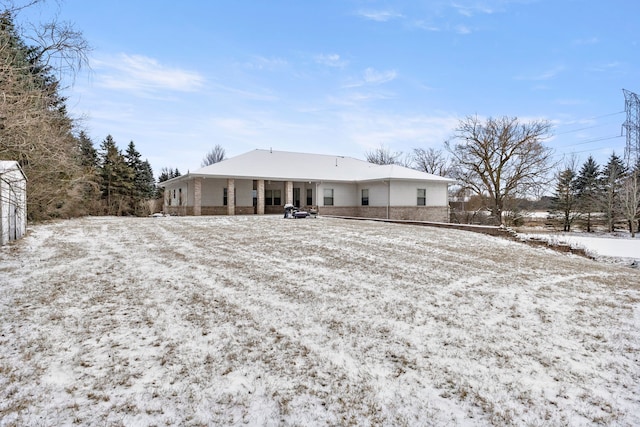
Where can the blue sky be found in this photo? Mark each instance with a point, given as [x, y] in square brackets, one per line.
[345, 76]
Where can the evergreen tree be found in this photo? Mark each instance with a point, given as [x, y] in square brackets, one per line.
[588, 187]
[613, 176]
[88, 159]
[117, 178]
[88, 153]
[565, 199]
[143, 184]
[147, 183]
[35, 128]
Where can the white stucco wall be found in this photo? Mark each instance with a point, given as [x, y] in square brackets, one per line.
[406, 193]
[344, 194]
[212, 191]
[244, 192]
[378, 193]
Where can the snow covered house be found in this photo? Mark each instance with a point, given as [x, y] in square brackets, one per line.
[263, 181]
[13, 202]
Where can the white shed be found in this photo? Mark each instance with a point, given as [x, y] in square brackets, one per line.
[13, 202]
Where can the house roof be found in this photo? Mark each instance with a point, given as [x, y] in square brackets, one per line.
[9, 165]
[290, 166]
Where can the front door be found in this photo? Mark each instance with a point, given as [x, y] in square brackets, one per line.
[296, 197]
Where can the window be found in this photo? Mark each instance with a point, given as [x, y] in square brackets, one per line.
[309, 197]
[328, 196]
[272, 197]
[422, 197]
[225, 197]
[365, 197]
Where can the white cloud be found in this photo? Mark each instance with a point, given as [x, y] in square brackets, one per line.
[374, 77]
[264, 63]
[463, 29]
[544, 75]
[379, 15]
[471, 10]
[138, 73]
[400, 132]
[587, 41]
[331, 60]
[608, 67]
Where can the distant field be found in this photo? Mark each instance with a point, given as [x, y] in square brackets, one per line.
[266, 321]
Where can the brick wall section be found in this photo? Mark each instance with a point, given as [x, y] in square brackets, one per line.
[231, 196]
[222, 210]
[484, 229]
[413, 213]
[260, 194]
[197, 196]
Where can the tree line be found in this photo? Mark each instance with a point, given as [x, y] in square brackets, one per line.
[611, 192]
[500, 163]
[67, 175]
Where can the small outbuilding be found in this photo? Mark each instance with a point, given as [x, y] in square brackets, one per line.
[265, 181]
[13, 202]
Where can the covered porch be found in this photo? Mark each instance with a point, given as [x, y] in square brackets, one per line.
[234, 196]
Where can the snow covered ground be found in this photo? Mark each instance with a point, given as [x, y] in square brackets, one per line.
[267, 321]
[618, 248]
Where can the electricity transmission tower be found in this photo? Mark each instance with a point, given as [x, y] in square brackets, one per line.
[632, 126]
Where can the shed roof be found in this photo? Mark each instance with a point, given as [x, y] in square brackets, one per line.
[9, 165]
[290, 166]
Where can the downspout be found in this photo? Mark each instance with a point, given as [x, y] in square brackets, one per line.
[317, 198]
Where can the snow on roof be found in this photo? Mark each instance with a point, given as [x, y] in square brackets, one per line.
[284, 165]
[9, 165]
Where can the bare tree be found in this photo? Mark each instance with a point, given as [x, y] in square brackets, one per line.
[501, 158]
[431, 161]
[630, 198]
[383, 156]
[217, 154]
[35, 129]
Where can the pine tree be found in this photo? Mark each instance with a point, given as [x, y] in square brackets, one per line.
[613, 176]
[565, 199]
[147, 183]
[35, 128]
[589, 191]
[117, 178]
[90, 182]
[143, 184]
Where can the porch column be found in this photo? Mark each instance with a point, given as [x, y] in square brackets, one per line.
[197, 196]
[231, 196]
[288, 190]
[260, 191]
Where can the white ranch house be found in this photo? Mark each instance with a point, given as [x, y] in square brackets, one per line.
[263, 181]
[13, 202]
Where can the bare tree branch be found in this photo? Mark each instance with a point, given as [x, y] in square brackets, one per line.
[501, 158]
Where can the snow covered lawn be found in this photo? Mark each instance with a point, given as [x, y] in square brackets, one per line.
[618, 249]
[266, 321]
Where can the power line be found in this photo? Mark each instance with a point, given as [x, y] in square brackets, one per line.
[589, 119]
[589, 141]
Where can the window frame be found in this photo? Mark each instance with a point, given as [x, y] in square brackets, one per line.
[421, 198]
[364, 197]
[328, 200]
